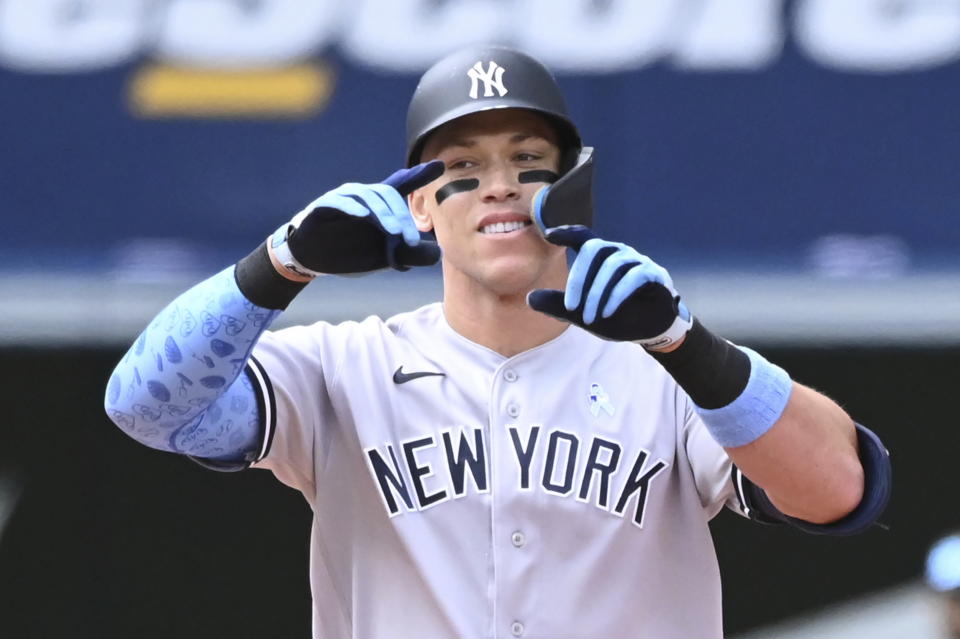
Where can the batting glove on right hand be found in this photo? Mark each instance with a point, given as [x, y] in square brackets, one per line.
[614, 292]
[357, 228]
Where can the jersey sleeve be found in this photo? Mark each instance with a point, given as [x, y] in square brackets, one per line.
[711, 466]
[289, 370]
[719, 482]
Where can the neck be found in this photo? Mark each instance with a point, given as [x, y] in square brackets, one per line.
[501, 322]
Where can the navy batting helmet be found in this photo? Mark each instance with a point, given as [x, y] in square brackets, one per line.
[485, 77]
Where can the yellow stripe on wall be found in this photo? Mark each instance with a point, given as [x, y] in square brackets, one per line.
[162, 91]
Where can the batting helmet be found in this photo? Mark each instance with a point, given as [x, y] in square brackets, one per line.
[484, 77]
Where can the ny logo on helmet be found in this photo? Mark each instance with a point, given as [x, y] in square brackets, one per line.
[492, 79]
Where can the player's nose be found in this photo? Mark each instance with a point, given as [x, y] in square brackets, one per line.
[500, 184]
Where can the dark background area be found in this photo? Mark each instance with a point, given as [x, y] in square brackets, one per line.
[111, 539]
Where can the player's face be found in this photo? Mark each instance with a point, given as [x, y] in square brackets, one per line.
[485, 231]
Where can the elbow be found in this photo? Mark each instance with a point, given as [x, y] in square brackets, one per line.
[853, 492]
[124, 418]
[836, 494]
[843, 496]
[121, 411]
[114, 407]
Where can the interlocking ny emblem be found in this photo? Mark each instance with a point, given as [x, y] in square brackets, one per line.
[492, 79]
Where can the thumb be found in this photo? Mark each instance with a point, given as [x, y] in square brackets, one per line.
[402, 256]
[550, 302]
[406, 181]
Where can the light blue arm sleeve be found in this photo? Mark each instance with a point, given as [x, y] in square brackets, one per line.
[181, 387]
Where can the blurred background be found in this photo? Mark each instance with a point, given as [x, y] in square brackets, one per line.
[792, 162]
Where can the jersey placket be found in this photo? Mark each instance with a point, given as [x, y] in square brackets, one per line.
[513, 533]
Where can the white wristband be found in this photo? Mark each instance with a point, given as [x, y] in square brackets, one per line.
[682, 323]
[280, 249]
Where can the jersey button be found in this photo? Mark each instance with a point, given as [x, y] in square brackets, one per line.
[513, 410]
[510, 375]
[518, 539]
[516, 628]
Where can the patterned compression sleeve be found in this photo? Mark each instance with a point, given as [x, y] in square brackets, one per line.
[179, 388]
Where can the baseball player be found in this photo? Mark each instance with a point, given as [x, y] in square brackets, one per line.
[539, 454]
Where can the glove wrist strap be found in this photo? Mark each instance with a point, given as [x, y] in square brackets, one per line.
[682, 324]
[279, 248]
[259, 281]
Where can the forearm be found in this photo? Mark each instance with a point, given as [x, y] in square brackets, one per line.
[165, 391]
[797, 446]
[794, 443]
[183, 370]
[807, 462]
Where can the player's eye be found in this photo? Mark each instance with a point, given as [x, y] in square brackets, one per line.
[460, 165]
[527, 157]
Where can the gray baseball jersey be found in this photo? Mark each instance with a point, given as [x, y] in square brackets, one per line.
[562, 492]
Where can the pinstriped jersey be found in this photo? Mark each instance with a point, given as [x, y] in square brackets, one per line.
[562, 492]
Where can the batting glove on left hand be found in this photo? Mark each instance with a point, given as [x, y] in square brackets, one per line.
[357, 228]
[614, 292]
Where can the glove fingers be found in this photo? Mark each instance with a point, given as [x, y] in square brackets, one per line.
[584, 270]
[396, 207]
[339, 201]
[610, 272]
[380, 203]
[550, 302]
[573, 236]
[333, 219]
[633, 280]
[403, 256]
[367, 203]
[406, 181]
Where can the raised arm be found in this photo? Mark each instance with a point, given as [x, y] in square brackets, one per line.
[814, 466]
[177, 387]
[184, 386]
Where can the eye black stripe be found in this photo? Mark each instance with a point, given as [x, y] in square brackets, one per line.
[456, 186]
[539, 175]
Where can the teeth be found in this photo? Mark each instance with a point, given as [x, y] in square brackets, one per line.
[503, 227]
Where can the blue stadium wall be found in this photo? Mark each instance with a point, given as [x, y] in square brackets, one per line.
[728, 132]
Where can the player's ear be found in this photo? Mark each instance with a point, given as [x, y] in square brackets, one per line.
[421, 216]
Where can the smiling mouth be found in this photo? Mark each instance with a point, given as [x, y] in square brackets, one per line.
[503, 227]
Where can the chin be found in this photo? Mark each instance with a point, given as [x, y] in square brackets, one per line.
[514, 276]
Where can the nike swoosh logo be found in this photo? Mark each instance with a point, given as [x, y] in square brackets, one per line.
[399, 377]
